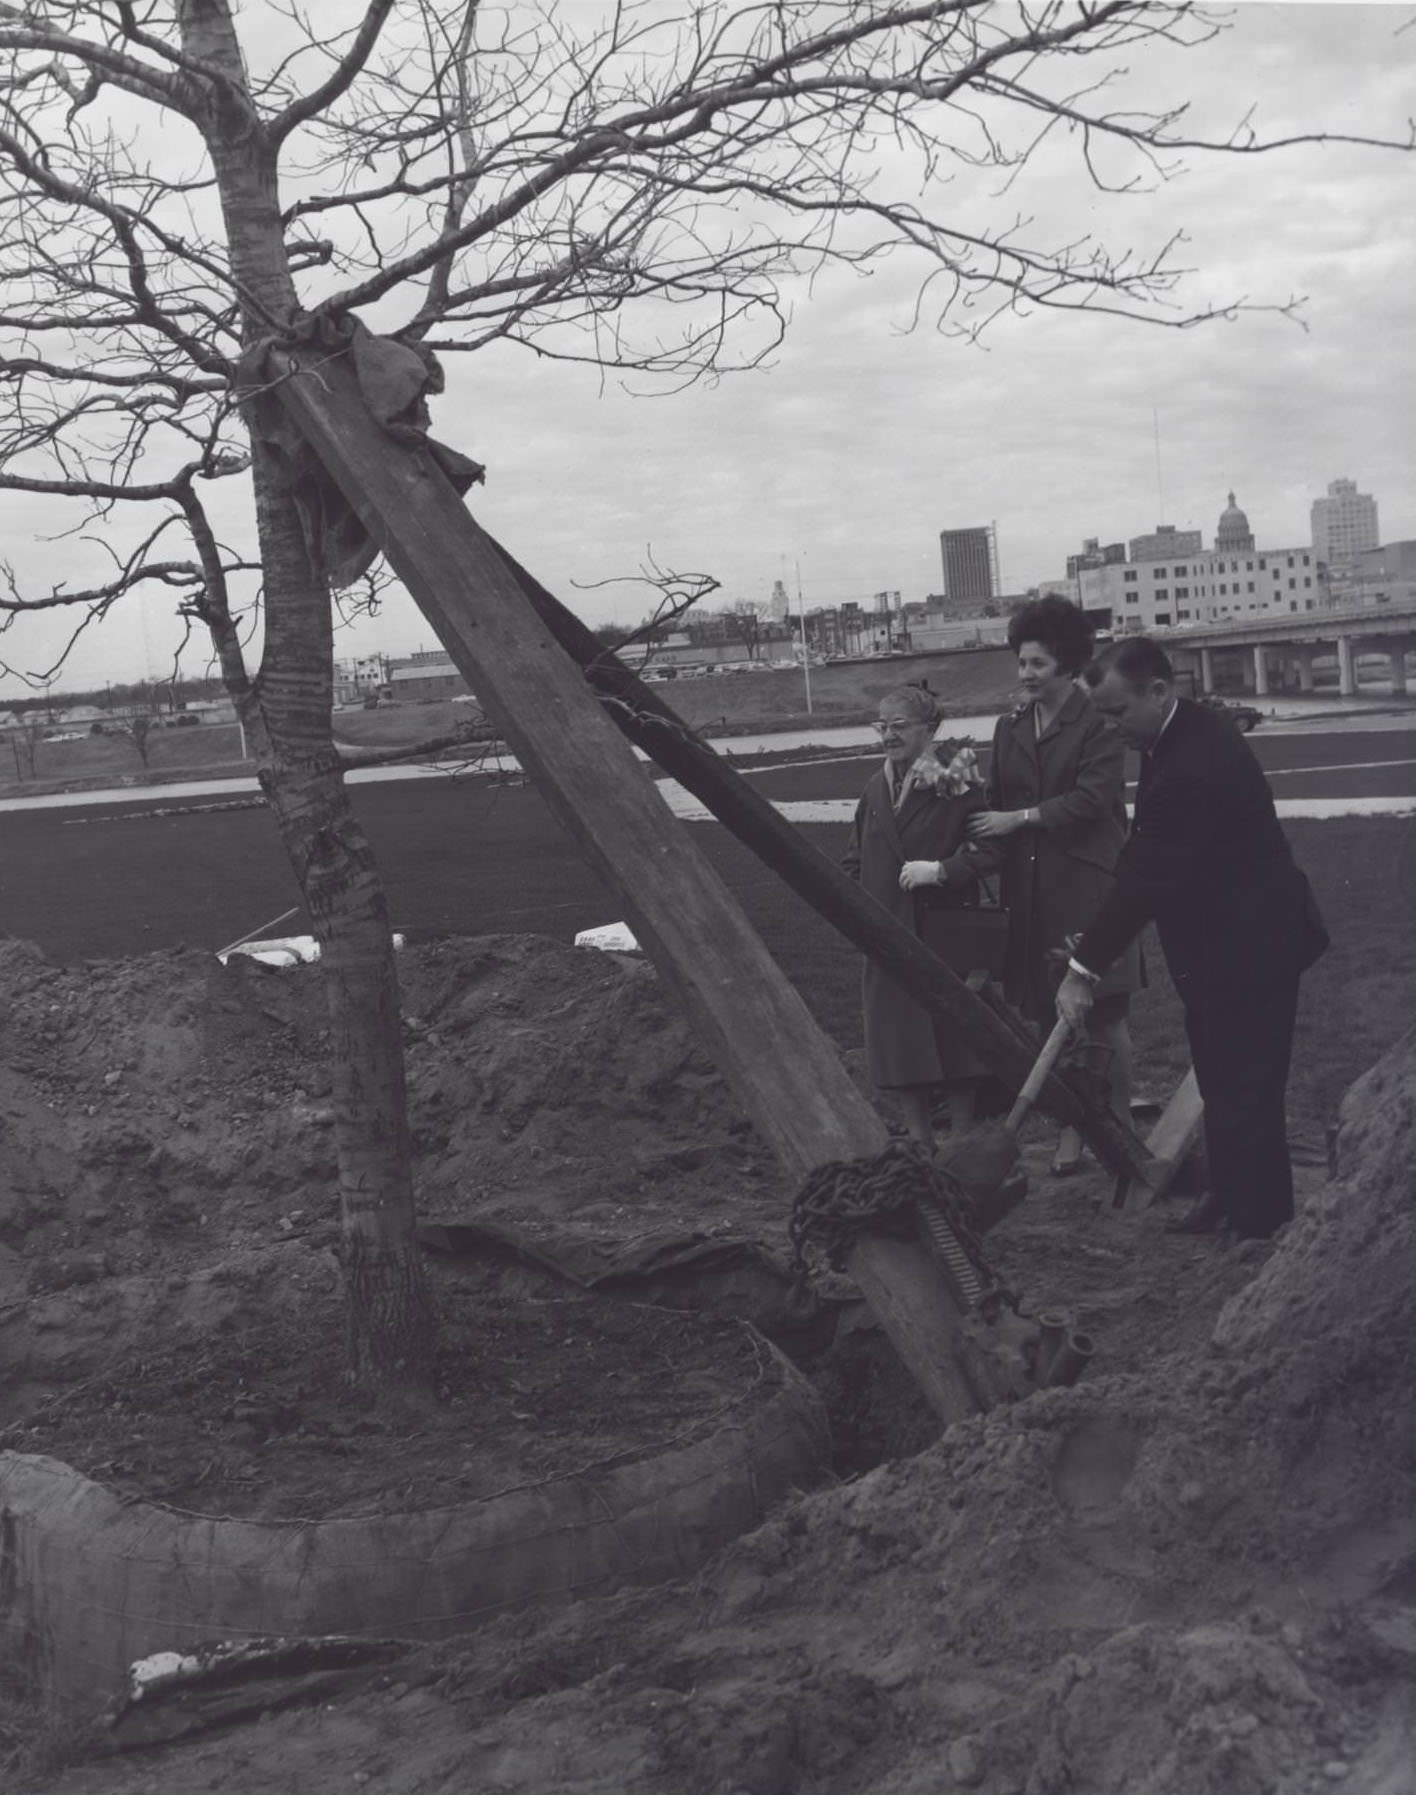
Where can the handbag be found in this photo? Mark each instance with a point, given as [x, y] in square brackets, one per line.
[969, 938]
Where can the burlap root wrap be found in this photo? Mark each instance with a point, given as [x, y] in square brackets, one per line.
[89, 1581]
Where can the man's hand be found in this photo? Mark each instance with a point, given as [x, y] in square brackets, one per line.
[919, 872]
[1075, 996]
[991, 825]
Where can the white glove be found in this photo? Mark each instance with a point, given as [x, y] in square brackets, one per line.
[918, 872]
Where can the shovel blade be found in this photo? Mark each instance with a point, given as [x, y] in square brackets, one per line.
[981, 1161]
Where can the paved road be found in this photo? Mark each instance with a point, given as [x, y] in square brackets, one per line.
[102, 879]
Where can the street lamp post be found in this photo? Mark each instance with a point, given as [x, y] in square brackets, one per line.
[805, 652]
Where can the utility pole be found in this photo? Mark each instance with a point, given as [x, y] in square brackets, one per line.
[805, 652]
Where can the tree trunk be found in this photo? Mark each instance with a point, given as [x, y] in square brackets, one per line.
[389, 1318]
[389, 1315]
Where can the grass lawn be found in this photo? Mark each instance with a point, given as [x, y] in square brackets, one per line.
[95, 760]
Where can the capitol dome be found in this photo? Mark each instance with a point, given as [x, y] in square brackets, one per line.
[1233, 535]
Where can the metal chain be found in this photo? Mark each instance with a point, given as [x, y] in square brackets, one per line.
[892, 1193]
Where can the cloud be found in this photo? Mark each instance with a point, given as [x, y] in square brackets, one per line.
[859, 443]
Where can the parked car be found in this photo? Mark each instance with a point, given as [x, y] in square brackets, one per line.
[1243, 716]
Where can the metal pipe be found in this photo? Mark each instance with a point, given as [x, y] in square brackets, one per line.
[1070, 1361]
[1051, 1332]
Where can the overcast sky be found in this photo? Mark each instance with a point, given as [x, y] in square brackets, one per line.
[848, 455]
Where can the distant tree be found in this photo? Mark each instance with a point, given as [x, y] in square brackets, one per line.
[140, 730]
[25, 737]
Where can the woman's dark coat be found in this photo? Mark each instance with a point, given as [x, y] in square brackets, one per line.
[1056, 876]
[903, 1043]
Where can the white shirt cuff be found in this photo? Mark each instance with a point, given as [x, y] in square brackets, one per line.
[1084, 972]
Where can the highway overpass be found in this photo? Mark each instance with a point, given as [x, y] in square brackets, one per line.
[1278, 653]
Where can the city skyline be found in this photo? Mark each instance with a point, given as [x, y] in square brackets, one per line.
[863, 440]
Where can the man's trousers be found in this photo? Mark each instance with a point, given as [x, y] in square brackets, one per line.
[1241, 1040]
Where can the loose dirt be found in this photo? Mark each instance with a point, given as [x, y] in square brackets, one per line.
[1193, 1574]
[258, 1421]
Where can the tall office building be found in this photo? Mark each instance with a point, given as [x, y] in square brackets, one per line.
[1344, 523]
[970, 564]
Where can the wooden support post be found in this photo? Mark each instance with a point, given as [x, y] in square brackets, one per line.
[1001, 1041]
[788, 1075]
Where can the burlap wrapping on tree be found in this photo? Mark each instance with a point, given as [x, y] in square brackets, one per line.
[90, 1581]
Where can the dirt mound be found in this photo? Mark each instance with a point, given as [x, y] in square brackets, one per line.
[555, 1079]
[1193, 1576]
[157, 1110]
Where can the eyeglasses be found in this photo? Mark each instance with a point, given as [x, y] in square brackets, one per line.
[896, 723]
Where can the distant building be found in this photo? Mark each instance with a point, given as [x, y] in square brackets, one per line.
[1094, 555]
[944, 607]
[1195, 585]
[964, 632]
[422, 677]
[1164, 543]
[970, 559]
[1070, 588]
[1344, 523]
[779, 605]
[1376, 576]
[353, 679]
[1233, 537]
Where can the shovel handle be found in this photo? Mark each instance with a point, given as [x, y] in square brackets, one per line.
[1037, 1078]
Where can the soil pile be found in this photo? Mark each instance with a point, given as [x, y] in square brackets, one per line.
[159, 1112]
[1194, 1574]
[260, 1422]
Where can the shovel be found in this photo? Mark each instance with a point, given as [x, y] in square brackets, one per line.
[984, 1159]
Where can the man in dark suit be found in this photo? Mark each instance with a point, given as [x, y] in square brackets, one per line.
[1207, 861]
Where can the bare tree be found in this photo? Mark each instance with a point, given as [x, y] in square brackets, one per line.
[25, 737]
[176, 194]
[139, 731]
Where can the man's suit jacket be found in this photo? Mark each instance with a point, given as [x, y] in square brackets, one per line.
[1207, 861]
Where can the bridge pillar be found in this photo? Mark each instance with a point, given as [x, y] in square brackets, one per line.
[1260, 671]
[1207, 671]
[1346, 670]
[1397, 655]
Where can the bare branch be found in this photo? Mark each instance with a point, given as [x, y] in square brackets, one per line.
[19, 31]
[345, 72]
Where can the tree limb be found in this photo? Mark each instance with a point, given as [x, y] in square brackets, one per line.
[347, 69]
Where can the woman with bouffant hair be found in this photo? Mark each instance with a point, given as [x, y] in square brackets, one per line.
[911, 851]
[1056, 808]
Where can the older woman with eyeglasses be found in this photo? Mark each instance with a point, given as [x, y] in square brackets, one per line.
[911, 850]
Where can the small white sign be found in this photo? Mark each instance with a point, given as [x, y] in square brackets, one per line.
[612, 937]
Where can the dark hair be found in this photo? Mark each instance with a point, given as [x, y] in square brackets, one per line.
[1060, 626]
[1138, 660]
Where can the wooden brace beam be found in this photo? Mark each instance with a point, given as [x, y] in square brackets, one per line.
[1007, 1049]
[755, 1025]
